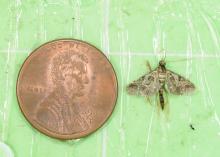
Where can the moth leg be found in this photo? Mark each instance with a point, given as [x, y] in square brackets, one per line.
[149, 100]
[148, 65]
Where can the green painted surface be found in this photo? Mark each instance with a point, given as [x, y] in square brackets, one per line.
[129, 32]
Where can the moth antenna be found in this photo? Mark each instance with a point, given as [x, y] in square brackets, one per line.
[148, 65]
[179, 60]
[164, 54]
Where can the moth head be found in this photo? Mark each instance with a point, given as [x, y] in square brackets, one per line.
[162, 62]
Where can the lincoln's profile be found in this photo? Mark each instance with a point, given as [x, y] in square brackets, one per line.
[60, 111]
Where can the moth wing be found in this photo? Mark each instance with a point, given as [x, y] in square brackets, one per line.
[146, 85]
[178, 84]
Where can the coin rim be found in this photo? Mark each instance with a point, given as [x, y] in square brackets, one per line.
[46, 131]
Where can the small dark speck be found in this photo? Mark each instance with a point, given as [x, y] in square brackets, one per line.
[126, 12]
[182, 143]
[73, 18]
[192, 127]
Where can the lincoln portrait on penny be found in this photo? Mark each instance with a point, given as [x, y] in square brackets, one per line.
[60, 111]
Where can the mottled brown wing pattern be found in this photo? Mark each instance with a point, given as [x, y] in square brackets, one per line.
[177, 84]
[146, 85]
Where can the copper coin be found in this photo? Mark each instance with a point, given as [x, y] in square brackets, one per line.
[67, 89]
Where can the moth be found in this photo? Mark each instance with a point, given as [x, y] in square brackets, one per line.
[160, 81]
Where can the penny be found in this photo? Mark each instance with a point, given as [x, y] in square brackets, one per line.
[67, 89]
